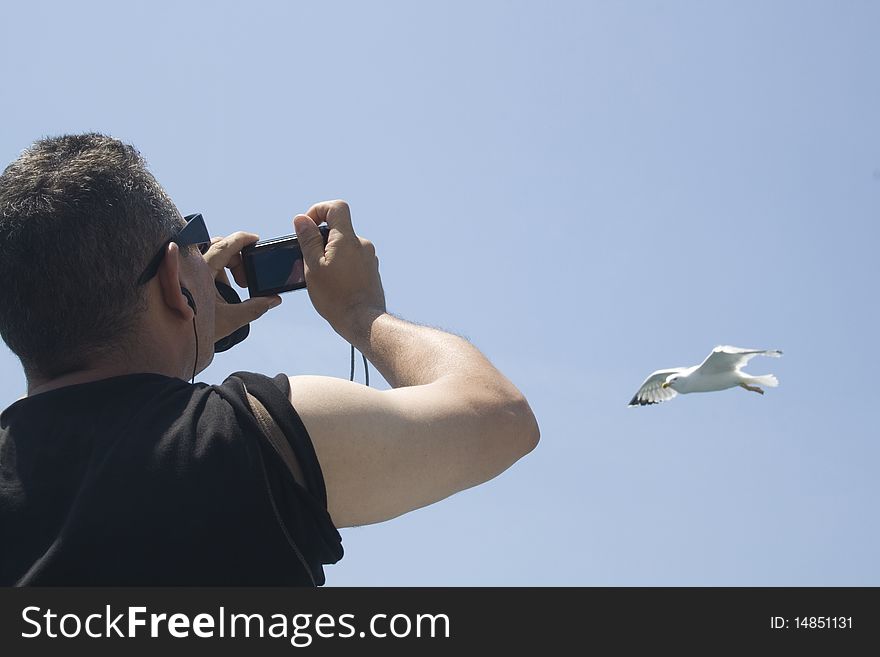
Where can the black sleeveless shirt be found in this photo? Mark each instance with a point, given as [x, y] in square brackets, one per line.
[146, 480]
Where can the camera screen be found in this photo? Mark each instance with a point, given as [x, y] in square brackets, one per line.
[280, 266]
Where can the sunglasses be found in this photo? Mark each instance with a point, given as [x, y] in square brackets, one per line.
[193, 233]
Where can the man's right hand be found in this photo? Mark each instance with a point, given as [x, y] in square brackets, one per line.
[343, 277]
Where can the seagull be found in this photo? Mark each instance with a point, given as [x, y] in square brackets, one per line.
[722, 369]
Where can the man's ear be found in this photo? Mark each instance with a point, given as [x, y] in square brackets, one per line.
[170, 283]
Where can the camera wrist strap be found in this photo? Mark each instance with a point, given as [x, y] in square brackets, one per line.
[366, 368]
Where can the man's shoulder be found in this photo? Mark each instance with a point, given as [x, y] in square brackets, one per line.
[279, 382]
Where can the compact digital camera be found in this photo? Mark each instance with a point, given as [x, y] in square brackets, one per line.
[275, 266]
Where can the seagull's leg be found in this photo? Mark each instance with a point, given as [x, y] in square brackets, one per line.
[751, 388]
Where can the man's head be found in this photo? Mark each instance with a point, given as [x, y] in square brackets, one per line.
[80, 216]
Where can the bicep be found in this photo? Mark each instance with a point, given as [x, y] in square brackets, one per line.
[383, 453]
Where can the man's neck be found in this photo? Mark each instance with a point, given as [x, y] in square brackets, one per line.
[37, 386]
[151, 350]
[132, 364]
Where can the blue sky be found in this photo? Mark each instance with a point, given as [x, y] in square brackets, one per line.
[588, 191]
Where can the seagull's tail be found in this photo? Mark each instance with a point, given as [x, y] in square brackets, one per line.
[764, 380]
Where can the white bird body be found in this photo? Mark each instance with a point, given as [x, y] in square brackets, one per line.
[720, 370]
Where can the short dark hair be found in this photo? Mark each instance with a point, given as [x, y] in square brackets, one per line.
[80, 216]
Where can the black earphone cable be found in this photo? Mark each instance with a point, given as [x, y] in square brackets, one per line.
[196, 362]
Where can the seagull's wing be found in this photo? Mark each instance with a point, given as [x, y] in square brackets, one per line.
[729, 359]
[650, 391]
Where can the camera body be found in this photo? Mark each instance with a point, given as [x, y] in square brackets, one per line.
[276, 265]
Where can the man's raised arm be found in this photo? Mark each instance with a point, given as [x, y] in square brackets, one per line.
[450, 422]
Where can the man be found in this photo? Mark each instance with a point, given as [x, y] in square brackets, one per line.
[115, 470]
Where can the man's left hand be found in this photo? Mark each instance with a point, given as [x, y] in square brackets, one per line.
[225, 253]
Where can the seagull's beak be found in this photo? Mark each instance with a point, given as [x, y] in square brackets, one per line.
[664, 385]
